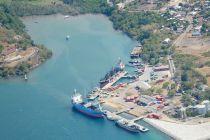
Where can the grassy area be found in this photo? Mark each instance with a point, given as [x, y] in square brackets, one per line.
[206, 54]
[207, 63]
[185, 61]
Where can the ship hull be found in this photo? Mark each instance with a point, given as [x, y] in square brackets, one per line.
[103, 83]
[88, 111]
[128, 128]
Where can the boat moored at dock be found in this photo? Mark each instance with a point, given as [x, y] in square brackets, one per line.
[128, 125]
[88, 108]
[113, 75]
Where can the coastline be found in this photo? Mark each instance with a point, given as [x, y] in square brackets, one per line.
[163, 128]
[181, 131]
[58, 15]
[160, 129]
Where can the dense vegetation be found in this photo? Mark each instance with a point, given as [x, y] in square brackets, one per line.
[90, 6]
[190, 79]
[10, 22]
[12, 26]
[144, 27]
[36, 7]
[1, 48]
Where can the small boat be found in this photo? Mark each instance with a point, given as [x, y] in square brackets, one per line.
[87, 108]
[134, 61]
[128, 125]
[66, 16]
[25, 77]
[67, 37]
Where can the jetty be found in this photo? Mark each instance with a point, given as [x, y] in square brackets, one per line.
[139, 118]
[115, 79]
[121, 111]
[114, 117]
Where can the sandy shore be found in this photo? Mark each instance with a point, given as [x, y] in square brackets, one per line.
[182, 131]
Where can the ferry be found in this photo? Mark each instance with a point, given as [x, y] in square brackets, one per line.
[119, 68]
[87, 108]
[128, 125]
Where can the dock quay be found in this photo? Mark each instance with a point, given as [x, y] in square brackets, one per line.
[136, 52]
[121, 111]
[114, 117]
[141, 128]
[115, 79]
[139, 118]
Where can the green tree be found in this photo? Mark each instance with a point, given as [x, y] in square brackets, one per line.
[165, 85]
[186, 100]
[173, 86]
[1, 48]
[171, 93]
[203, 28]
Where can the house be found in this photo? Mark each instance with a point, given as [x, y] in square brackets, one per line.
[9, 50]
[207, 105]
[161, 68]
[201, 109]
[196, 33]
[166, 41]
[145, 100]
[120, 6]
[179, 30]
[18, 37]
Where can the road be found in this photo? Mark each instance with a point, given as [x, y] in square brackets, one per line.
[171, 66]
[181, 37]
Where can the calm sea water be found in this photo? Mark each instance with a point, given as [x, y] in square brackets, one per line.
[40, 108]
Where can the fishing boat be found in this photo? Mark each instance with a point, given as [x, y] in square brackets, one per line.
[88, 108]
[128, 125]
[134, 61]
[112, 73]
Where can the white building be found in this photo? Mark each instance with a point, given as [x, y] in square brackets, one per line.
[166, 41]
[201, 109]
[207, 105]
